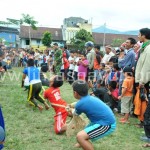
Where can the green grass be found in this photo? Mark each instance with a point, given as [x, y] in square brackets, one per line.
[28, 129]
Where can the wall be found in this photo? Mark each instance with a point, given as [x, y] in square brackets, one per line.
[8, 37]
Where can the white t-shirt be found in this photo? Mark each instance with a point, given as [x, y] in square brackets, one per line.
[107, 57]
[36, 56]
[47, 57]
[76, 66]
[71, 67]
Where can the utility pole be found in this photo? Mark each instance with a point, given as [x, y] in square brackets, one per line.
[104, 36]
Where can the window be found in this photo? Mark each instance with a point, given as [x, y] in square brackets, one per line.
[27, 42]
[38, 41]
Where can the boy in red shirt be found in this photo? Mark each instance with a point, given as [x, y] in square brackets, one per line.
[53, 95]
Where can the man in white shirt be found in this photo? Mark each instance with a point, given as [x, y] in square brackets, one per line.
[108, 54]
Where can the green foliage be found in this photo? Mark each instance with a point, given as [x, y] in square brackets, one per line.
[47, 38]
[81, 38]
[117, 42]
[29, 20]
[13, 21]
[4, 22]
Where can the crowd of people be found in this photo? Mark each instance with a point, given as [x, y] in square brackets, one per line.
[117, 77]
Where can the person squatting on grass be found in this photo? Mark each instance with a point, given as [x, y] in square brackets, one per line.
[102, 119]
[53, 95]
[35, 85]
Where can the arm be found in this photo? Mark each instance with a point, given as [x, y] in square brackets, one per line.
[129, 59]
[91, 63]
[123, 92]
[85, 63]
[23, 78]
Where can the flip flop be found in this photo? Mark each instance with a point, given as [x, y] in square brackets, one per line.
[146, 145]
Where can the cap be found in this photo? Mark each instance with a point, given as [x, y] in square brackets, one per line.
[127, 69]
[89, 44]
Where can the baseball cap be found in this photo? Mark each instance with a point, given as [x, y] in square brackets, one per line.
[89, 44]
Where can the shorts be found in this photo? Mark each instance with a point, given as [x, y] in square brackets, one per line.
[97, 131]
[126, 104]
[60, 121]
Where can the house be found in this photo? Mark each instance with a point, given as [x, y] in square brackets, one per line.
[108, 39]
[9, 36]
[36, 36]
[72, 25]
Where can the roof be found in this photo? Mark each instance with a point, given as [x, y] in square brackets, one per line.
[99, 37]
[37, 34]
[8, 30]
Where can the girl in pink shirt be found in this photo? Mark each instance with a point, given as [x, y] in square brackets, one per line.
[83, 65]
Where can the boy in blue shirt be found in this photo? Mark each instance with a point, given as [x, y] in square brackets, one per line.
[35, 85]
[102, 119]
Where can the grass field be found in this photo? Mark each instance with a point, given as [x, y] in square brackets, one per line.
[28, 129]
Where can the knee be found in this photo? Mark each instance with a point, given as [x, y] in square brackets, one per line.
[79, 136]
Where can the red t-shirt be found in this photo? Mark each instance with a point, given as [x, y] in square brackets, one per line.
[115, 93]
[53, 95]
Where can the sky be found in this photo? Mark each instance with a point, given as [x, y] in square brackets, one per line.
[122, 15]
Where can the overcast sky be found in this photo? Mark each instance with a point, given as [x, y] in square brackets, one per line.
[118, 14]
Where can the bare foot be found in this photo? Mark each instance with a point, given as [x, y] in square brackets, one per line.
[40, 108]
[46, 106]
[146, 145]
[77, 145]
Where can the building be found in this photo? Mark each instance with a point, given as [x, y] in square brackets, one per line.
[36, 36]
[72, 25]
[9, 36]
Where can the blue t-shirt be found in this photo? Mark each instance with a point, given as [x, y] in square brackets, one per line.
[96, 110]
[33, 73]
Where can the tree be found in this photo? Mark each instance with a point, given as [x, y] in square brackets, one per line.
[26, 19]
[81, 38]
[117, 42]
[47, 38]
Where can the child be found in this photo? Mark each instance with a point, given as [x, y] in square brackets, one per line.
[83, 66]
[99, 90]
[102, 119]
[114, 75]
[71, 67]
[53, 95]
[2, 70]
[35, 85]
[65, 65]
[76, 55]
[127, 94]
[114, 93]
[43, 78]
